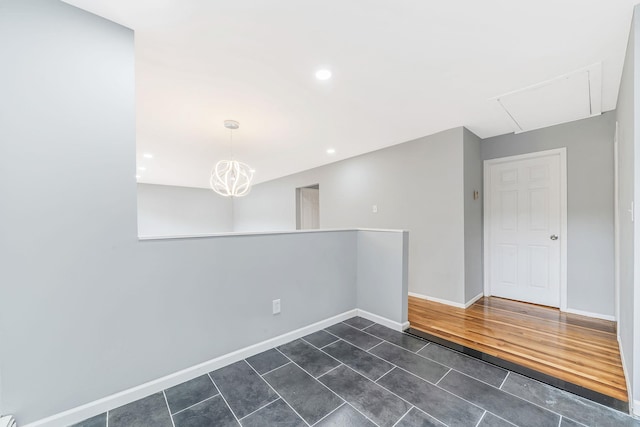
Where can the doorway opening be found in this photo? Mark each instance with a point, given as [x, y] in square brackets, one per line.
[308, 207]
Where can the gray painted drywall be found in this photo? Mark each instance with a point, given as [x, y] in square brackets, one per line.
[416, 185]
[88, 310]
[165, 210]
[590, 172]
[380, 262]
[473, 268]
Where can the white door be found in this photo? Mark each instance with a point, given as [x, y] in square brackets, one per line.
[524, 227]
[309, 208]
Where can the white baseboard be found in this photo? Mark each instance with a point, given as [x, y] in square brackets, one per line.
[474, 299]
[590, 314]
[635, 409]
[397, 326]
[100, 406]
[434, 299]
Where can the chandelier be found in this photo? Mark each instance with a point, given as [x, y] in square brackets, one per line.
[231, 178]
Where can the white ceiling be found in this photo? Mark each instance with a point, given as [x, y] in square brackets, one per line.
[402, 69]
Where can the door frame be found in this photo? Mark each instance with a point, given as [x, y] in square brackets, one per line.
[562, 152]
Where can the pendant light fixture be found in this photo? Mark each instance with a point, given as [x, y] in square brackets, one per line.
[231, 178]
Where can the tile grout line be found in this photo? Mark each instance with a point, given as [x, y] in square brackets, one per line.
[504, 380]
[360, 412]
[506, 392]
[367, 327]
[437, 386]
[405, 400]
[327, 345]
[425, 346]
[360, 329]
[437, 382]
[481, 418]
[359, 348]
[371, 335]
[405, 414]
[450, 367]
[332, 369]
[383, 341]
[274, 369]
[107, 425]
[262, 407]
[339, 397]
[560, 421]
[503, 419]
[343, 403]
[223, 398]
[276, 392]
[316, 345]
[195, 404]
[166, 402]
[380, 377]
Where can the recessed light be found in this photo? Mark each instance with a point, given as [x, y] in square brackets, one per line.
[147, 156]
[142, 168]
[323, 74]
[331, 151]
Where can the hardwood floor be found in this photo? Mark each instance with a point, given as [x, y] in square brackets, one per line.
[573, 348]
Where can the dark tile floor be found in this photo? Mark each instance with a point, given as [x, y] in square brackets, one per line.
[358, 373]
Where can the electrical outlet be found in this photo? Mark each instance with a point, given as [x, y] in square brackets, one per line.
[374, 208]
[276, 306]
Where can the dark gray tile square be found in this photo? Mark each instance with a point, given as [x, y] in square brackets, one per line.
[151, 411]
[358, 322]
[243, 389]
[354, 336]
[398, 338]
[346, 416]
[490, 420]
[418, 365]
[417, 418]
[375, 402]
[443, 406]
[307, 396]
[359, 360]
[478, 369]
[308, 357]
[97, 421]
[267, 361]
[189, 393]
[277, 414]
[566, 404]
[320, 338]
[212, 412]
[504, 405]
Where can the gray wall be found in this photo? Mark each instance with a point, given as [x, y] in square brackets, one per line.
[627, 122]
[379, 265]
[88, 310]
[165, 210]
[416, 185]
[590, 172]
[473, 227]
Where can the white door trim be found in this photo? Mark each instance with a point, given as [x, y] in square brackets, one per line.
[562, 152]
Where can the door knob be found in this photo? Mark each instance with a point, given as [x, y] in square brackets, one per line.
[554, 237]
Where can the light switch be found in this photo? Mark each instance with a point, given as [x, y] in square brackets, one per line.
[374, 208]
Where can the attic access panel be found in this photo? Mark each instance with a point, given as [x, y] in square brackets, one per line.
[563, 99]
